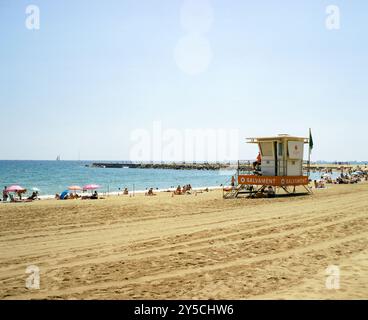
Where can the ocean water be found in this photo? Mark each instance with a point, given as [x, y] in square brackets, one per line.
[53, 177]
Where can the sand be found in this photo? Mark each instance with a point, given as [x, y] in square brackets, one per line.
[188, 247]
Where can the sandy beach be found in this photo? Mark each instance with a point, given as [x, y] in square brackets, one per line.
[188, 247]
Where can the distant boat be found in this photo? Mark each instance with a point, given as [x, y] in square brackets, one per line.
[58, 158]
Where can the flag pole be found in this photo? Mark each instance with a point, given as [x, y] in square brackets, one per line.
[309, 152]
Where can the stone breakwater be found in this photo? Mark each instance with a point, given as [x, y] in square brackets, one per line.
[175, 166]
[243, 166]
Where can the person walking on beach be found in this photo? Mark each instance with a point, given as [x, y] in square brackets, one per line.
[5, 194]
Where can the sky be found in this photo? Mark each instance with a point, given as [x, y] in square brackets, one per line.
[95, 79]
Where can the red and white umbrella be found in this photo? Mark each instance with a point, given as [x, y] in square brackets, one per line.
[91, 187]
[14, 188]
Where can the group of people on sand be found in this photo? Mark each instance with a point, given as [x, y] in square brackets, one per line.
[320, 184]
[125, 191]
[9, 197]
[348, 180]
[186, 189]
[183, 190]
[268, 192]
[71, 196]
[344, 178]
[150, 192]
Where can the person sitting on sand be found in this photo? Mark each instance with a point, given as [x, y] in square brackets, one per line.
[315, 184]
[150, 192]
[126, 191]
[339, 180]
[12, 199]
[94, 195]
[328, 180]
[188, 189]
[320, 184]
[270, 192]
[33, 196]
[178, 191]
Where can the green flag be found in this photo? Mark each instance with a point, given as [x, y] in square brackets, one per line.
[310, 140]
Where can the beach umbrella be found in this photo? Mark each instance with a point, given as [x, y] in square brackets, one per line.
[91, 187]
[63, 194]
[14, 188]
[74, 188]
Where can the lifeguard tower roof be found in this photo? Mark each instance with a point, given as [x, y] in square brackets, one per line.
[279, 137]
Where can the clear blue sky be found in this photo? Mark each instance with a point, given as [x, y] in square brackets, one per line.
[96, 70]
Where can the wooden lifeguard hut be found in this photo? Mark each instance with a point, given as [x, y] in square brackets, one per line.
[280, 167]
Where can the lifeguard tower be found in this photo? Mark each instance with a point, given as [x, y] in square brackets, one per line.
[281, 167]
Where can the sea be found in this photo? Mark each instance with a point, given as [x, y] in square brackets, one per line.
[52, 177]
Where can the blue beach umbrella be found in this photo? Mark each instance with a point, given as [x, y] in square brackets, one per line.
[63, 194]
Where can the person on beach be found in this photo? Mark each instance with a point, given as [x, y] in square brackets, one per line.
[150, 192]
[270, 192]
[94, 195]
[34, 196]
[319, 184]
[11, 198]
[258, 161]
[233, 181]
[178, 191]
[5, 194]
[188, 188]
[126, 191]
[73, 196]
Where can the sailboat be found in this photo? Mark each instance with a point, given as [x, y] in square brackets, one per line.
[58, 158]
